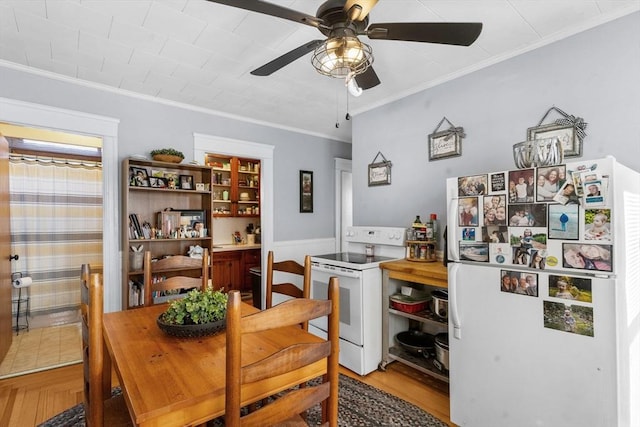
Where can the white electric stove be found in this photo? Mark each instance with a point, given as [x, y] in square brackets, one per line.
[360, 292]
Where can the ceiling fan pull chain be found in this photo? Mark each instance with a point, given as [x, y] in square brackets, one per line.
[347, 116]
[337, 110]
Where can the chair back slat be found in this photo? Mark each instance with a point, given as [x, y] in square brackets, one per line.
[288, 406]
[288, 359]
[290, 312]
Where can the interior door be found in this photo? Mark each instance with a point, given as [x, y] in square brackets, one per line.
[6, 333]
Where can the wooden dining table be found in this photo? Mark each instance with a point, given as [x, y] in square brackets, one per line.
[169, 381]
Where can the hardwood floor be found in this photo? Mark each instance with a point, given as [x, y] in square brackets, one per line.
[29, 400]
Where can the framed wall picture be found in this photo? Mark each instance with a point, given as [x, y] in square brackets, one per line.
[306, 191]
[444, 144]
[379, 174]
[571, 144]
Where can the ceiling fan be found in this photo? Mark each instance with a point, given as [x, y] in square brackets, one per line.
[342, 54]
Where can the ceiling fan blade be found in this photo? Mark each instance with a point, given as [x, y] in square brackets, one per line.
[286, 59]
[363, 7]
[273, 10]
[368, 79]
[456, 33]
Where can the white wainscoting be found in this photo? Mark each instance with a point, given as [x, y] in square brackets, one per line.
[295, 250]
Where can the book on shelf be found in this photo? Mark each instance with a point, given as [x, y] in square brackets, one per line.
[135, 222]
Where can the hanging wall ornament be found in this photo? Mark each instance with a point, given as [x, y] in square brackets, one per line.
[380, 171]
[569, 129]
[445, 143]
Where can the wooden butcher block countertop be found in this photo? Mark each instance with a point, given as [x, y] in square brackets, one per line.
[427, 273]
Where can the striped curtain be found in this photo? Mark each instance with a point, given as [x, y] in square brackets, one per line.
[56, 225]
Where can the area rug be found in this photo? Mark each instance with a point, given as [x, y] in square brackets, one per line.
[359, 404]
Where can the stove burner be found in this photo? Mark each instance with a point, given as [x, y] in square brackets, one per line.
[353, 258]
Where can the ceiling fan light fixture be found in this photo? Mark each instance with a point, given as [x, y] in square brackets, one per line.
[340, 56]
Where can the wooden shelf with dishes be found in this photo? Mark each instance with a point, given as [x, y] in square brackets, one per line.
[166, 209]
[236, 186]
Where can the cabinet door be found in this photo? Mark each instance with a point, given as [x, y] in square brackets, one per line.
[226, 270]
[250, 259]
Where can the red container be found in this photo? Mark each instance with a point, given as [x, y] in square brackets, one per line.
[407, 304]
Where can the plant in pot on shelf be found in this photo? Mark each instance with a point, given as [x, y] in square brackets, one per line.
[198, 314]
[167, 155]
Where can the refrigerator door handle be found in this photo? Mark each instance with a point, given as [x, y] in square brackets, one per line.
[452, 233]
[453, 300]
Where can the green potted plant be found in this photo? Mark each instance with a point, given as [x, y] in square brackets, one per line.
[199, 313]
[167, 155]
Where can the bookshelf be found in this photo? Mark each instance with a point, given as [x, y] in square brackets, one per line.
[166, 209]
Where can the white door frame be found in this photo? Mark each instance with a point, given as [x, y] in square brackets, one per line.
[344, 208]
[44, 116]
[203, 144]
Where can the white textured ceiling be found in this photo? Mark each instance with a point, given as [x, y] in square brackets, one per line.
[199, 53]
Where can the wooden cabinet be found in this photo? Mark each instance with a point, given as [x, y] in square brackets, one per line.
[236, 186]
[166, 209]
[226, 272]
[250, 259]
[231, 269]
[423, 276]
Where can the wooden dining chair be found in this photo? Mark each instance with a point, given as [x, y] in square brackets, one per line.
[288, 288]
[101, 409]
[287, 408]
[175, 269]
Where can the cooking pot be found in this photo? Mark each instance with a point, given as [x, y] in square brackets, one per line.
[440, 303]
[442, 349]
[416, 342]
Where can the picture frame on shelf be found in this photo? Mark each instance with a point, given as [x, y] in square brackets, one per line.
[186, 182]
[157, 182]
[189, 218]
[306, 191]
[138, 177]
[444, 144]
[569, 140]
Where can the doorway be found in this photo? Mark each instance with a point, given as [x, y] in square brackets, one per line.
[344, 201]
[56, 224]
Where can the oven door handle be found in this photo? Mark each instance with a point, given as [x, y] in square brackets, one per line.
[333, 270]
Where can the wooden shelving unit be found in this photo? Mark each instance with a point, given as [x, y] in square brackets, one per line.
[422, 276]
[146, 202]
[236, 186]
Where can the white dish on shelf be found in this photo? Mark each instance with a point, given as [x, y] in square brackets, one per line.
[244, 196]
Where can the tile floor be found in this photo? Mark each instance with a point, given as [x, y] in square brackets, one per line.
[43, 348]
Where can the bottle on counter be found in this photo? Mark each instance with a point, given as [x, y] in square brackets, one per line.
[419, 229]
[432, 227]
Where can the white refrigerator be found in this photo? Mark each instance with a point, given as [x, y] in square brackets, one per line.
[544, 296]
